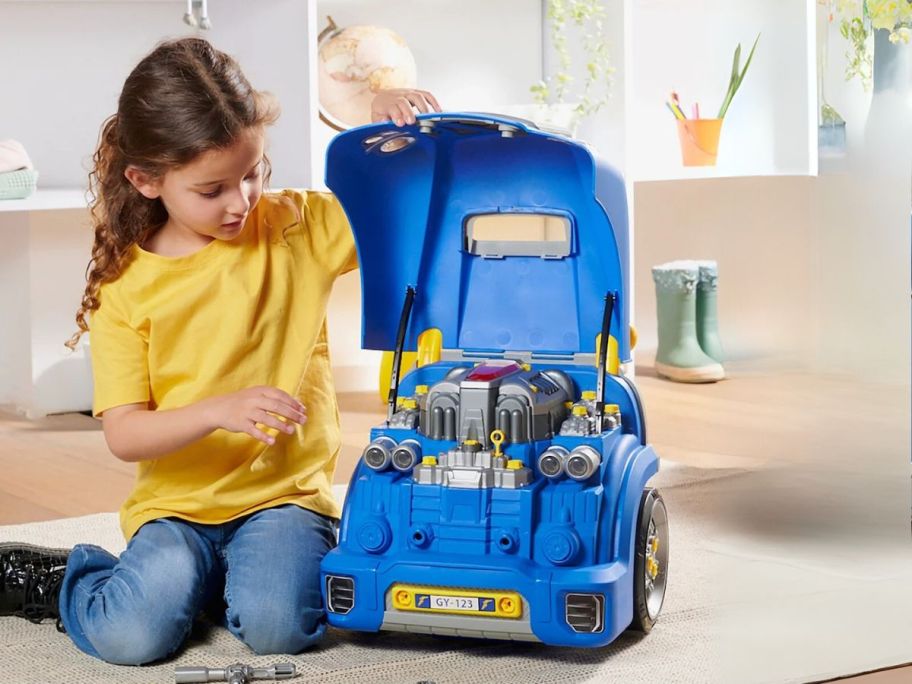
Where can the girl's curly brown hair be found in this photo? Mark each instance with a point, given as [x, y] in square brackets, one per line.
[183, 99]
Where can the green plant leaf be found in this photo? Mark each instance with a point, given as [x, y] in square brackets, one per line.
[736, 78]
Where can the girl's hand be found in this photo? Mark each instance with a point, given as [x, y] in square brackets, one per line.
[243, 411]
[398, 105]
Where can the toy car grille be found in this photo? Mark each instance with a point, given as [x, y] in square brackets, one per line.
[340, 594]
[585, 612]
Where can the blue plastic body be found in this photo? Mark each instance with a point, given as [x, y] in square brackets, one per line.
[408, 209]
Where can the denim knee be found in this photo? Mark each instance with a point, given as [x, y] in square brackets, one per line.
[140, 608]
[269, 628]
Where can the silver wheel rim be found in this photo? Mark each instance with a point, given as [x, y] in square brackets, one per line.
[655, 566]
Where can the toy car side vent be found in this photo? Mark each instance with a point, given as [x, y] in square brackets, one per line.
[585, 613]
[340, 594]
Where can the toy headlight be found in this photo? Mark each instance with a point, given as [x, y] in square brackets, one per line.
[551, 462]
[377, 455]
[582, 463]
[406, 455]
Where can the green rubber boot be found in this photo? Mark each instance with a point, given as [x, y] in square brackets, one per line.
[707, 320]
[679, 356]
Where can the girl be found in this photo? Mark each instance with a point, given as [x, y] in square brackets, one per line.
[207, 301]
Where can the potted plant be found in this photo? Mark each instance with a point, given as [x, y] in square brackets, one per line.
[557, 100]
[889, 22]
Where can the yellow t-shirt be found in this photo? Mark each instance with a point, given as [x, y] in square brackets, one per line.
[235, 314]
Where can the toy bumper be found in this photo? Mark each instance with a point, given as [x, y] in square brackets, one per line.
[587, 606]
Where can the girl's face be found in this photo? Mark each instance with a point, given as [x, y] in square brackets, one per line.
[212, 195]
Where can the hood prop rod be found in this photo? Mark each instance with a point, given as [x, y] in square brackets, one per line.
[397, 356]
[610, 299]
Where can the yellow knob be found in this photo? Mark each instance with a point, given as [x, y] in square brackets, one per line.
[470, 442]
[497, 436]
[506, 604]
[655, 544]
[580, 411]
[429, 460]
[526, 367]
[402, 598]
[612, 408]
[421, 389]
[407, 403]
[589, 395]
[514, 464]
[568, 404]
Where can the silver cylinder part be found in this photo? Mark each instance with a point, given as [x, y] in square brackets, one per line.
[378, 453]
[551, 462]
[406, 455]
[582, 463]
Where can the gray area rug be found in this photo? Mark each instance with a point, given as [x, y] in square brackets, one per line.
[680, 648]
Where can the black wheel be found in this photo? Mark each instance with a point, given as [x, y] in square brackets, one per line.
[650, 566]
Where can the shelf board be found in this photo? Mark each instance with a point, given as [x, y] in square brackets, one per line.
[49, 199]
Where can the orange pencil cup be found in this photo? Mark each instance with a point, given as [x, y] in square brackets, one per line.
[699, 141]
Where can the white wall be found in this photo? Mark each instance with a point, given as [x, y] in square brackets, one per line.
[65, 62]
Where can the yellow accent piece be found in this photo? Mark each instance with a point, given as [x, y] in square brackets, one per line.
[406, 364]
[580, 411]
[430, 342]
[407, 403]
[568, 404]
[507, 604]
[402, 598]
[533, 388]
[588, 395]
[525, 366]
[421, 389]
[429, 460]
[633, 337]
[498, 437]
[470, 442]
[514, 464]
[613, 365]
[655, 544]
[652, 567]
[612, 408]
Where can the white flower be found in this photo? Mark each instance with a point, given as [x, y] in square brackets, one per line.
[901, 35]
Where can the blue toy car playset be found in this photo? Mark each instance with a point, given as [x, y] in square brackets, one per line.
[506, 494]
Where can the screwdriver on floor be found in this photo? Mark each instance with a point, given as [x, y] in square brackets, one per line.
[233, 674]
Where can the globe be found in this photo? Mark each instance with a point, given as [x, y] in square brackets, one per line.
[353, 64]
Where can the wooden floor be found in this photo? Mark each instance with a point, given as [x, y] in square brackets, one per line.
[761, 417]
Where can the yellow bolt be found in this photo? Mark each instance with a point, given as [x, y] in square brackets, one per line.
[498, 436]
[526, 367]
[429, 460]
[470, 442]
[580, 411]
[421, 389]
[407, 403]
[568, 404]
[506, 605]
[612, 408]
[655, 544]
[589, 395]
[402, 598]
[514, 464]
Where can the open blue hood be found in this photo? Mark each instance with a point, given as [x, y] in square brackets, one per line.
[412, 195]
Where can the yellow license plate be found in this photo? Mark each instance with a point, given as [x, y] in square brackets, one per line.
[476, 602]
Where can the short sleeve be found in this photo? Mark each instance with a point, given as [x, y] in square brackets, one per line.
[120, 363]
[327, 230]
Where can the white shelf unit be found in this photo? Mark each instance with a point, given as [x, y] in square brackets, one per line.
[771, 126]
[47, 242]
[47, 199]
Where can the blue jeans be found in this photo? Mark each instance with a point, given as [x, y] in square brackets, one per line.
[141, 607]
